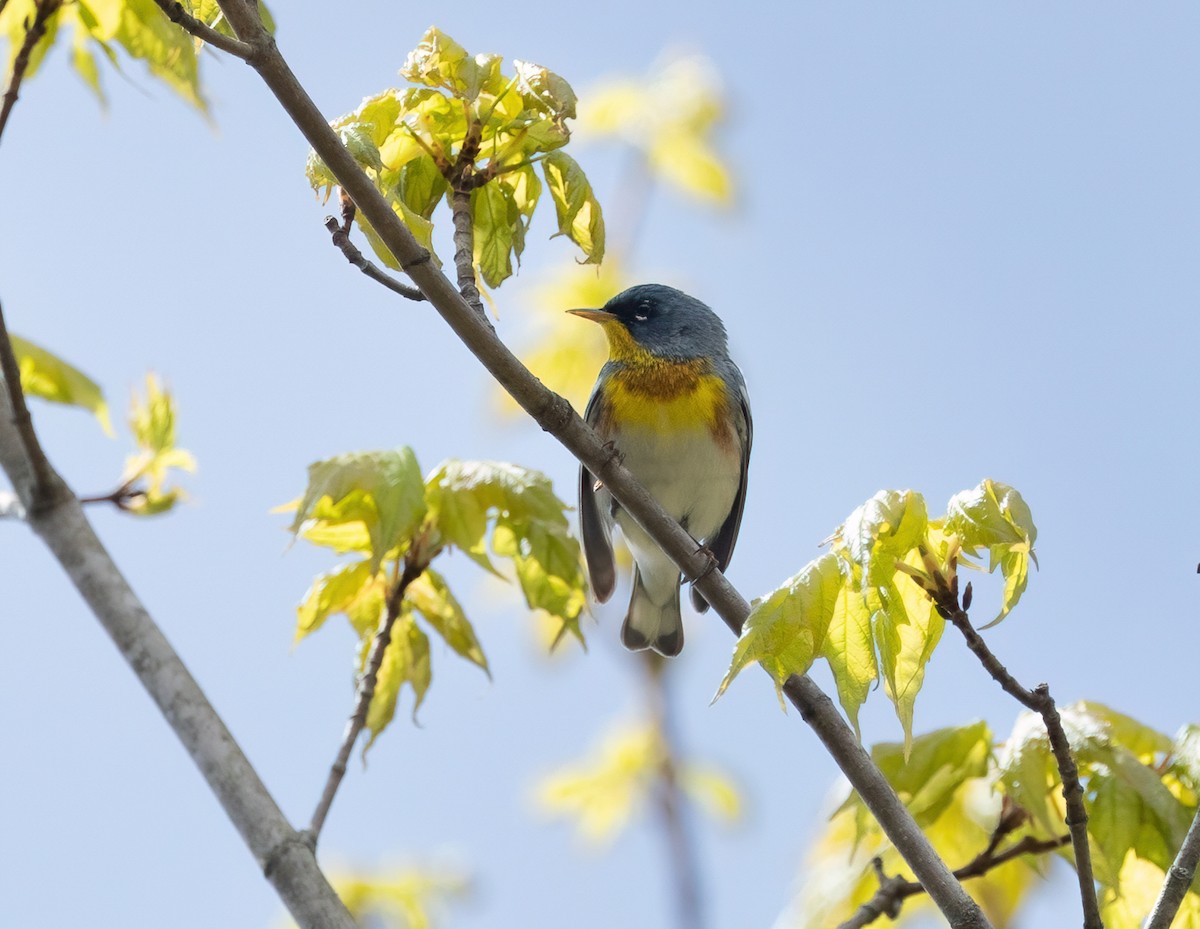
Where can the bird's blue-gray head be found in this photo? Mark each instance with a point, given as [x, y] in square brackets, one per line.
[665, 322]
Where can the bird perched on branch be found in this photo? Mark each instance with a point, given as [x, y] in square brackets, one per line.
[675, 406]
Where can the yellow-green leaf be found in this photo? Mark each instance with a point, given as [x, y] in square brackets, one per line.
[786, 629]
[579, 216]
[430, 597]
[382, 491]
[405, 661]
[850, 650]
[47, 376]
[352, 589]
[994, 516]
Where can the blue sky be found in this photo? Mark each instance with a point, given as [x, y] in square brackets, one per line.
[964, 248]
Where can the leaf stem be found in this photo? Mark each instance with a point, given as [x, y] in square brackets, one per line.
[413, 568]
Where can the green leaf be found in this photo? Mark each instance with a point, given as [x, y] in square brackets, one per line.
[352, 589]
[399, 898]
[850, 650]
[906, 638]
[881, 532]
[47, 376]
[381, 490]
[420, 185]
[994, 516]
[419, 226]
[498, 232]
[430, 597]
[530, 528]
[927, 775]
[406, 661]
[786, 629]
[603, 792]
[439, 61]
[544, 90]
[152, 421]
[1185, 757]
[579, 216]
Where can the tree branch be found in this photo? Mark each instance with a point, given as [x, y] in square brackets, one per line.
[464, 252]
[1179, 879]
[177, 14]
[1040, 701]
[672, 802]
[893, 891]
[555, 415]
[38, 478]
[341, 238]
[413, 568]
[43, 10]
[59, 520]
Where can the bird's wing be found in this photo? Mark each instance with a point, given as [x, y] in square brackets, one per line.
[723, 542]
[593, 528]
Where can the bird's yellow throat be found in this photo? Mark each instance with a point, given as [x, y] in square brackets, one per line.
[657, 393]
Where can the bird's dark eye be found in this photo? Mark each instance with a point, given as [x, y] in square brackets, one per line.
[643, 312]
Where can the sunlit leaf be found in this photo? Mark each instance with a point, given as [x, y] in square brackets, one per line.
[994, 516]
[579, 216]
[430, 597]
[850, 650]
[786, 629]
[403, 898]
[382, 491]
[352, 589]
[603, 792]
[405, 662]
[152, 421]
[47, 376]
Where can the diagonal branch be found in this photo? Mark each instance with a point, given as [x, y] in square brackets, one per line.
[1179, 879]
[59, 520]
[43, 10]
[413, 568]
[41, 475]
[555, 415]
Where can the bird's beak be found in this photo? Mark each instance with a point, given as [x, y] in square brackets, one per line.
[596, 316]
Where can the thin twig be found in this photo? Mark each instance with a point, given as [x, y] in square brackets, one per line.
[177, 14]
[413, 568]
[42, 473]
[43, 10]
[341, 239]
[122, 497]
[1040, 701]
[893, 891]
[1179, 879]
[672, 802]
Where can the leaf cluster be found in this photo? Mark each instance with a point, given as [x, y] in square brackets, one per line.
[377, 508]
[468, 127]
[146, 487]
[603, 792]
[969, 795]
[104, 30]
[868, 605]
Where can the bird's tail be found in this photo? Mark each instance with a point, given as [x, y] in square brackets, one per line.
[650, 624]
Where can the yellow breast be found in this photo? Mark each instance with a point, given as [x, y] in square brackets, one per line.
[669, 396]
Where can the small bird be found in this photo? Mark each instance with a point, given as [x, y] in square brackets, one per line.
[675, 407]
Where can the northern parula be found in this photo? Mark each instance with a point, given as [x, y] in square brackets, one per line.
[675, 406]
